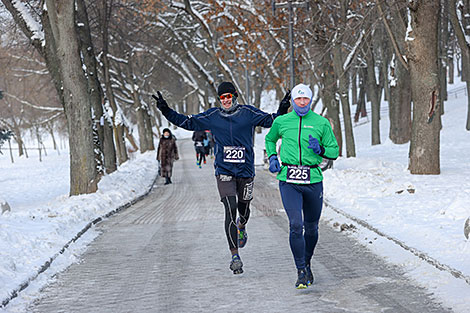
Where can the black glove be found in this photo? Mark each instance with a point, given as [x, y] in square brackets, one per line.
[285, 104]
[161, 103]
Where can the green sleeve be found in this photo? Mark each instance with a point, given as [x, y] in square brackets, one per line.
[329, 143]
[271, 139]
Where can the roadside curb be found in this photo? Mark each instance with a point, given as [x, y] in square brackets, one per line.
[14, 293]
[425, 257]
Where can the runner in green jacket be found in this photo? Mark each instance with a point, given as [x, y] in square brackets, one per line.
[307, 138]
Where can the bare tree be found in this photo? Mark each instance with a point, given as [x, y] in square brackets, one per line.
[83, 175]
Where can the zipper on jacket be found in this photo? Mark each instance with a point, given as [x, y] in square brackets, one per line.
[300, 148]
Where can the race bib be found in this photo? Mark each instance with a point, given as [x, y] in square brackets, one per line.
[234, 154]
[298, 174]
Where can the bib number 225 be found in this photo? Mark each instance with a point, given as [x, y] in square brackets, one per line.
[298, 174]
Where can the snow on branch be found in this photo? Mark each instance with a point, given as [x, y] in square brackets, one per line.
[350, 56]
[460, 18]
[33, 26]
[112, 57]
[38, 107]
[47, 120]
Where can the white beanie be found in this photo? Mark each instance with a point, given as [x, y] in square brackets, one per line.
[300, 91]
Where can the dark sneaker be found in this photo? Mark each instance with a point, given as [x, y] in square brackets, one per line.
[242, 235]
[309, 273]
[302, 282]
[236, 265]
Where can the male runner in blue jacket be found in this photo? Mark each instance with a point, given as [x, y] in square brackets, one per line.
[232, 126]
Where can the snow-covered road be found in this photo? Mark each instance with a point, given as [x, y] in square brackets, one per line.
[168, 253]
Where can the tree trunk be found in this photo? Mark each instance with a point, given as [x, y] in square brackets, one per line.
[77, 104]
[148, 128]
[104, 130]
[19, 141]
[450, 63]
[116, 117]
[399, 104]
[343, 94]
[138, 108]
[361, 102]
[330, 102]
[139, 113]
[354, 88]
[400, 84]
[54, 142]
[465, 48]
[423, 63]
[374, 97]
[11, 152]
[443, 40]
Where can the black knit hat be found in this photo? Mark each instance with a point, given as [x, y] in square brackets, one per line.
[166, 130]
[226, 87]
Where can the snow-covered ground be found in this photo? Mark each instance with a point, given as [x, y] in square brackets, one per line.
[426, 212]
[43, 218]
[374, 187]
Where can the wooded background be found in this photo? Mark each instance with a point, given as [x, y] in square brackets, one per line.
[86, 70]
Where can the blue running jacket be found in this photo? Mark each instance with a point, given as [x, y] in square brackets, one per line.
[233, 131]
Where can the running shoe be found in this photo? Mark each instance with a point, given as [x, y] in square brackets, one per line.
[242, 235]
[302, 282]
[236, 265]
[310, 278]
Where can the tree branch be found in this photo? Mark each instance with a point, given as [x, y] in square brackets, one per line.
[392, 37]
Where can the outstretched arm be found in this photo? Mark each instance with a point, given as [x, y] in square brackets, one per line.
[188, 122]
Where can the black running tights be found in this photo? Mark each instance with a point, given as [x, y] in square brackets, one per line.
[231, 206]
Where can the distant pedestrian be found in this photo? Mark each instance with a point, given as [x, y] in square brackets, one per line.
[167, 153]
[207, 144]
[307, 138]
[211, 143]
[198, 137]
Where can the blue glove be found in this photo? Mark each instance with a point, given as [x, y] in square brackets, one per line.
[274, 165]
[314, 144]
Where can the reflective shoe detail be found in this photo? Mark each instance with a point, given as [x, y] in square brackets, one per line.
[236, 265]
[242, 235]
[302, 282]
[310, 278]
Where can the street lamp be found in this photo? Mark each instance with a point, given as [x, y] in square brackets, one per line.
[290, 6]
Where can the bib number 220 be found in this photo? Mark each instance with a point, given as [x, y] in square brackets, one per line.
[234, 154]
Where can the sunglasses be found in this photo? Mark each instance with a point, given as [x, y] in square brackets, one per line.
[226, 96]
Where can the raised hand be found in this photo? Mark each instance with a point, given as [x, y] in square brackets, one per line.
[161, 103]
[284, 104]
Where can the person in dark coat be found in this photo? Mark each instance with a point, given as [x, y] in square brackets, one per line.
[167, 153]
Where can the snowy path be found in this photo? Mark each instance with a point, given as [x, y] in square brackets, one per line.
[168, 253]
